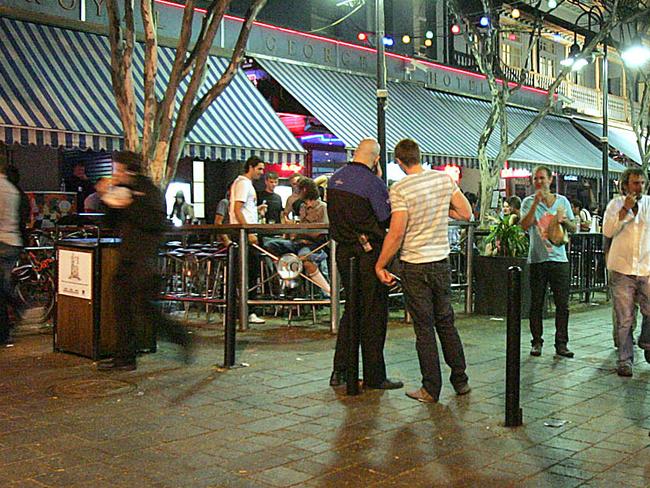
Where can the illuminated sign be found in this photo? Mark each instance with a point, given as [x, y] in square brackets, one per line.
[285, 169]
[507, 173]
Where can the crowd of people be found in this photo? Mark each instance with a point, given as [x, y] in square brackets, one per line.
[396, 234]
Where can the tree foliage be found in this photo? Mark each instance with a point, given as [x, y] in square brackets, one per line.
[166, 123]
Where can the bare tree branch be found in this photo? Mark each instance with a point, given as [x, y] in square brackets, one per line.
[150, 73]
[122, 42]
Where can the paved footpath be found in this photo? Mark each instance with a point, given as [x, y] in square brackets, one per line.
[277, 423]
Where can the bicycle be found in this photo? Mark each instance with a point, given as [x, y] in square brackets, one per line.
[34, 287]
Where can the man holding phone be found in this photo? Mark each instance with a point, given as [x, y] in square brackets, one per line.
[627, 224]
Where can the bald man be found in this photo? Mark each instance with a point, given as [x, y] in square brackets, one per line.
[359, 212]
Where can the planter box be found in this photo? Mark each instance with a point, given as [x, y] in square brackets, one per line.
[491, 285]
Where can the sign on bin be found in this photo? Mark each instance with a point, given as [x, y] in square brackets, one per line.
[75, 274]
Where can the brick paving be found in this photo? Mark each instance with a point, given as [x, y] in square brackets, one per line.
[277, 423]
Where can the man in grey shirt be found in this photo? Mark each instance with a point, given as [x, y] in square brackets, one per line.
[10, 245]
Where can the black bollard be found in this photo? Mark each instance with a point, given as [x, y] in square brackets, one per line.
[230, 332]
[352, 310]
[513, 348]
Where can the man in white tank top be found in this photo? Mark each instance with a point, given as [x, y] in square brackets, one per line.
[421, 205]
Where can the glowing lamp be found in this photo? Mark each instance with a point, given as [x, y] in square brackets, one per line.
[552, 3]
[512, 37]
[362, 36]
[428, 42]
[484, 21]
[388, 41]
[455, 29]
[515, 13]
[406, 39]
[429, 34]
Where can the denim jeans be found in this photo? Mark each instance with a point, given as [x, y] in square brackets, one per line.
[427, 290]
[557, 275]
[283, 246]
[625, 288]
[8, 256]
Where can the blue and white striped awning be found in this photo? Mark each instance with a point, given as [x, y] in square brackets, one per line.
[55, 89]
[624, 140]
[447, 127]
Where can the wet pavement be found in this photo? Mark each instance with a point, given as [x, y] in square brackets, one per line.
[277, 423]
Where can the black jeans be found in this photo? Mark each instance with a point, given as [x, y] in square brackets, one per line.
[557, 275]
[427, 289]
[372, 317]
[136, 287]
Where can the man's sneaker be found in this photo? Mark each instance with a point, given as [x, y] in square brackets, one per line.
[536, 350]
[563, 351]
[462, 389]
[116, 365]
[421, 395]
[624, 370]
[646, 355]
[254, 319]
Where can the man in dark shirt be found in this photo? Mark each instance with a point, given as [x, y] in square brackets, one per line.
[358, 207]
[272, 200]
[136, 211]
[78, 182]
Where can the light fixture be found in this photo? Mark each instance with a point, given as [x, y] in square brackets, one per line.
[484, 21]
[388, 41]
[428, 42]
[573, 53]
[636, 54]
[552, 3]
[362, 36]
[512, 36]
[455, 29]
[429, 34]
[578, 64]
[406, 39]
[515, 13]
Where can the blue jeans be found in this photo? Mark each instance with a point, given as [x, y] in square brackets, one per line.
[283, 246]
[8, 257]
[625, 288]
[427, 289]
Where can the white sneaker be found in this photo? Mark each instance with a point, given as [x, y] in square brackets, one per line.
[254, 319]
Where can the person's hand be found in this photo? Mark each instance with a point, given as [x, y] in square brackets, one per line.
[103, 185]
[262, 209]
[252, 239]
[385, 276]
[630, 201]
[561, 216]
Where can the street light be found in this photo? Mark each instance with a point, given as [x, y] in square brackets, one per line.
[636, 54]
[382, 91]
[577, 63]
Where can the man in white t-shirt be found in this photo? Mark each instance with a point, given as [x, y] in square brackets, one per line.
[422, 204]
[243, 210]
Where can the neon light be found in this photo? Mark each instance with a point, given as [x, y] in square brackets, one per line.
[507, 173]
[350, 45]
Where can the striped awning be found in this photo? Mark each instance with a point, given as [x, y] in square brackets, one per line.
[55, 89]
[447, 127]
[624, 140]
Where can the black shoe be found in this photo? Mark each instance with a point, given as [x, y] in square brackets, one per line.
[116, 365]
[536, 350]
[386, 385]
[337, 378]
[462, 389]
[624, 370]
[563, 351]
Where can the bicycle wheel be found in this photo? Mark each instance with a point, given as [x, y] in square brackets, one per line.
[37, 295]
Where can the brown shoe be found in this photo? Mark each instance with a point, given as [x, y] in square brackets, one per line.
[421, 395]
[117, 365]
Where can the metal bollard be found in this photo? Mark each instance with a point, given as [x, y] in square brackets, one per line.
[352, 309]
[513, 348]
[230, 331]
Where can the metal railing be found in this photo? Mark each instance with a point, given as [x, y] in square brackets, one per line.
[587, 264]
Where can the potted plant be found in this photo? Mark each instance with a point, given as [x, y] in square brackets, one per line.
[506, 245]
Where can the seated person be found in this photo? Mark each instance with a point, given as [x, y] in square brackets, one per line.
[182, 212]
[312, 211]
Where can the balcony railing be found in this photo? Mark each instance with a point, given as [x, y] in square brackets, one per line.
[582, 99]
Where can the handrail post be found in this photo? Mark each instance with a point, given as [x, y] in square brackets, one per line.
[243, 279]
[230, 332]
[352, 310]
[513, 348]
[469, 270]
[334, 290]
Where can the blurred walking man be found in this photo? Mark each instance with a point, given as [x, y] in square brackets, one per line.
[544, 216]
[359, 212]
[136, 211]
[627, 223]
[421, 204]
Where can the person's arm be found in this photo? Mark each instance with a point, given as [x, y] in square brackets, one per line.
[459, 206]
[617, 215]
[529, 215]
[392, 243]
[380, 202]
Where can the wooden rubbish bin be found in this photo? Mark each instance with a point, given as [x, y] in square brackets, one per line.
[85, 320]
